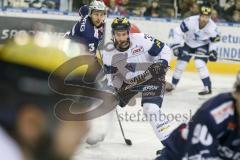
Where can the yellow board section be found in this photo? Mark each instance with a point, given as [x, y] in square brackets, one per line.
[214, 67]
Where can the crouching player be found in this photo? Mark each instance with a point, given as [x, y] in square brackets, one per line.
[213, 132]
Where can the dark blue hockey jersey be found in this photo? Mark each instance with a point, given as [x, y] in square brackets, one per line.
[85, 32]
[213, 133]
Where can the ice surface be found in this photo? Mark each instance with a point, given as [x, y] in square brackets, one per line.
[184, 101]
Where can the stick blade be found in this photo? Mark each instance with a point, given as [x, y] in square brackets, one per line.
[128, 142]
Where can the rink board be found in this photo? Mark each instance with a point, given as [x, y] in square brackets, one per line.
[162, 29]
[214, 67]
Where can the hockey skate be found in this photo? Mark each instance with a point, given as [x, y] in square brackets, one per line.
[205, 91]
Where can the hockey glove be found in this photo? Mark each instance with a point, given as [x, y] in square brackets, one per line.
[176, 52]
[176, 49]
[212, 56]
[159, 69]
[125, 94]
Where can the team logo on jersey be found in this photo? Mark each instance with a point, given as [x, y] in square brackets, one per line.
[222, 112]
[131, 67]
[136, 50]
[196, 36]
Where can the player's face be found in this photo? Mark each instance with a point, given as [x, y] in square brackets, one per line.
[203, 20]
[30, 125]
[31, 130]
[122, 38]
[97, 17]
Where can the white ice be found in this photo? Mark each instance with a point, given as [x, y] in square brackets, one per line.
[183, 101]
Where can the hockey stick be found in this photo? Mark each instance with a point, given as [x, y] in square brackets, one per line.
[127, 141]
[195, 55]
[229, 59]
[207, 56]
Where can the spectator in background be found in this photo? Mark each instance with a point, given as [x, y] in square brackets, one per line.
[186, 4]
[17, 3]
[228, 4]
[169, 12]
[112, 6]
[109, 3]
[76, 4]
[143, 8]
[168, 7]
[154, 10]
[123, 8]
[231, 13]
[236, 16]
[194, 10]
[216, 6]
[215, 16]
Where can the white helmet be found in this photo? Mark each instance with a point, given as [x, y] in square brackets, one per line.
[96, 5]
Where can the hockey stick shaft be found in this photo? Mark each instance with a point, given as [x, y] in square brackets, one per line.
[207, 56]
[127, 141]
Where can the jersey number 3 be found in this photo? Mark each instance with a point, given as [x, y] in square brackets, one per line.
[91, 47]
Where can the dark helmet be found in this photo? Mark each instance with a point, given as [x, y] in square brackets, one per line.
[206, 9]
[121, 24]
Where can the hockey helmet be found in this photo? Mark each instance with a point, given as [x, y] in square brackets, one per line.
[97, 5]
[26, 63]
[121, 24]
[206, 9]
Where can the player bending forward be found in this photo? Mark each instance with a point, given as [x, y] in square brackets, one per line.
[197, 36]
[213, 133]
[89, 30]
[137, 63]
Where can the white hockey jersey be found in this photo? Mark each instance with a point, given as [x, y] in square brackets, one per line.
[8, 147]
[123, 66]
[188, 32]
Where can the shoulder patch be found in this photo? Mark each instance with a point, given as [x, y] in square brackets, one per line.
[222, 112]
[184, 27]
[156, 48]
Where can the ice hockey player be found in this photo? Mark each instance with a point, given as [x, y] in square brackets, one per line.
[28, 128]
[196, 36]
[89, 29]
[213, 132]
[138, 62]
